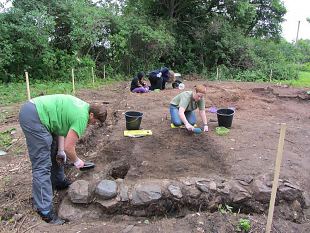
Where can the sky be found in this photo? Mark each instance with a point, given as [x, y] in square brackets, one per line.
[297, 10]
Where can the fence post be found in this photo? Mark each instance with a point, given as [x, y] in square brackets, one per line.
[92, 71]
[104, 71]
[27, 84]
[73, 83]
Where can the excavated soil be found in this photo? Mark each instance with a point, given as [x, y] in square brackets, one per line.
[249, 149]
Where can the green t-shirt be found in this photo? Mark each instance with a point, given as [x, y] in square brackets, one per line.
[185, 100]
[60, 113]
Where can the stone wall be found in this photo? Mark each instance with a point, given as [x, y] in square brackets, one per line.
[168, 197]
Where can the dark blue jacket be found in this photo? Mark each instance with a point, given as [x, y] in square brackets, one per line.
[164, 73]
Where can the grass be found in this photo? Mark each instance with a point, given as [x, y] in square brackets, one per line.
[302, 81]
[5, 138]
[16, 92]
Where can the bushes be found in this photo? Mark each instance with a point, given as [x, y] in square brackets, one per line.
[306, 67]
[144, 35]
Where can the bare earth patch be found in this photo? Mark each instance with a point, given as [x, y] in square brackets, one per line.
[248, 150]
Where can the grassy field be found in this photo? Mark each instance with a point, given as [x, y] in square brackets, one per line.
[302, 81]
[16, 92]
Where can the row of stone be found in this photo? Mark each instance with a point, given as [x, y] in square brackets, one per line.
[117, 196]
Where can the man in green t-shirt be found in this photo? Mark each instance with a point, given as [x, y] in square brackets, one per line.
[183, 105]
[49, 122]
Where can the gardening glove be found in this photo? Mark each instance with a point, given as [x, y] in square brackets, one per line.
[159, 75]
[189, 127]
[79, 163]
[205, 128]
[61, 157]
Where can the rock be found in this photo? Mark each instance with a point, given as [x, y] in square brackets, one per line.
[73, 212]
[244, 180]
[306, 197]
[288, 193]
[107, 189]
[288, 184]
[241, 197]
[175, 191]
[297, 211]
[108, 204]
[203, 186]
[79, 192]
[238, 193]
[212, 186]
[191, 191]
[145, 194]
[261, 192]
[206, 185]
[224, 188]
[123, 192]
[119, 181]
[188, 181]
[296, 206]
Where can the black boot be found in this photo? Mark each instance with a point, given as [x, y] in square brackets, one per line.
[63, 185]
[52, 218]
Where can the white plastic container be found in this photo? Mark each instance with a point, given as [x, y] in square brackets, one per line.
[181, 86]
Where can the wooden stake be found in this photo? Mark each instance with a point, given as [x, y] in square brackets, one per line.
[73, 87]
[276, 177]
[104, 71]
[297, 32]
[270, 76]
[217, 73]
[92, 71]
[27, 84]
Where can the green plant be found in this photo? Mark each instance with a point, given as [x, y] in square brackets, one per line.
[305, 67]
[225, 209]
[244, 225]
[5, 138]
[302, 81]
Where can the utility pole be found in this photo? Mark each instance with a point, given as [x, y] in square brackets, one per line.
[297, 32]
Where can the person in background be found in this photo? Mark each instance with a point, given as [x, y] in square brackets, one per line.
[158, 78]
[46, 121]
[138, 85]
[183, 105]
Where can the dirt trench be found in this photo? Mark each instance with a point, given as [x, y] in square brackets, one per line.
[249, 149]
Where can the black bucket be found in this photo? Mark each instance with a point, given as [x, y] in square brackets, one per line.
[133, 120]
[225, 117]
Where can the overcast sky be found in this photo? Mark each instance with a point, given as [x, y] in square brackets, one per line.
[297, 10]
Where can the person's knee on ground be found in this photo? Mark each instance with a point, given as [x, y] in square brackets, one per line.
[191, 117]
[177, 123]
[191, 121]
